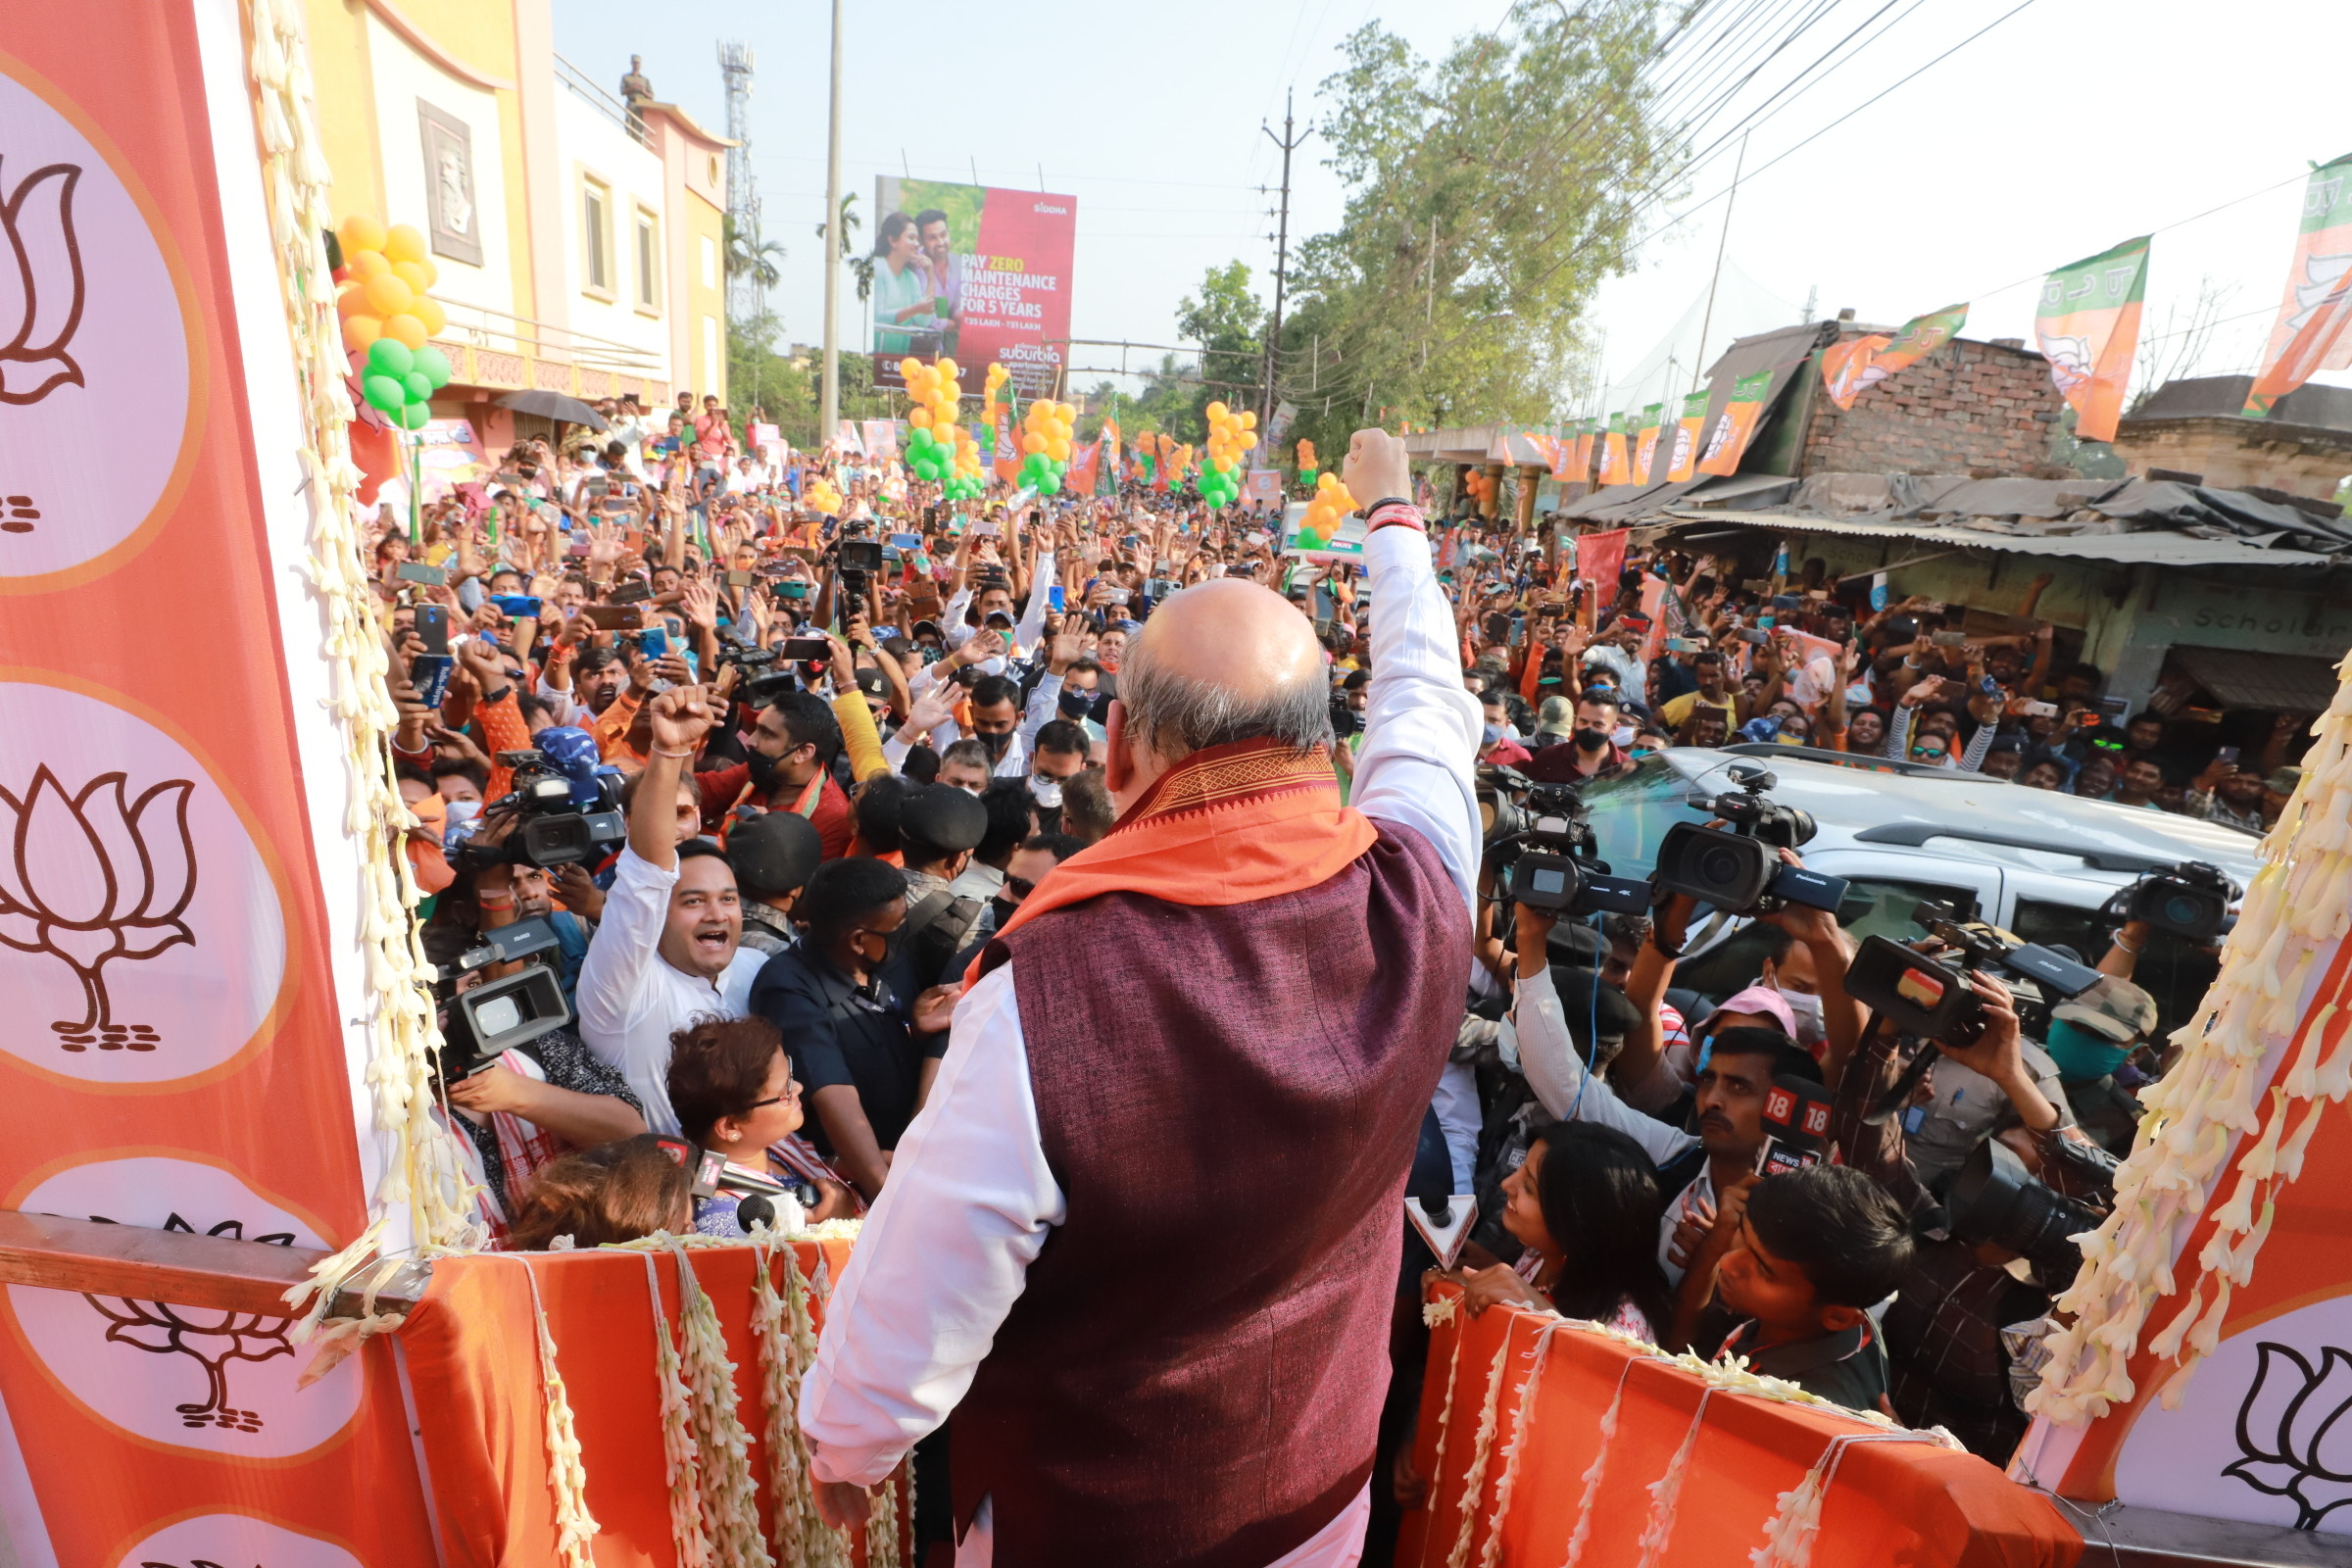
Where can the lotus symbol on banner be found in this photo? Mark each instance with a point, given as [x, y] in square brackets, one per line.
[89, 879]
[2292, 1431]
[209, 1338]
[40, 284]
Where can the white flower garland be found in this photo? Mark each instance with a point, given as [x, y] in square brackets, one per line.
[567, 1475]
[1789, 1533]
[729, 1497]
[2297, 903]
[787, 1350]
[882, 1525]
[1599, 1467]
[678, 1456]
[1667, 1489]
[1513, 1448]
[426, 1173]
[1482, 1446]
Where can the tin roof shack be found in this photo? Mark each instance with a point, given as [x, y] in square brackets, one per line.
[2192, 429]
[2190, 599]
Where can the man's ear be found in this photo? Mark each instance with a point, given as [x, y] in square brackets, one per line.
[1837, 1319]
[1118, 762]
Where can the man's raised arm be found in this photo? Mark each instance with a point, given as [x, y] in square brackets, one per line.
[1421, 725]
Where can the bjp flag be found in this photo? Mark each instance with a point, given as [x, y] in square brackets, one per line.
[2089, 326]
[2308, 334]
[1646, 443]
[1850, 368]
[1581, 467]
[1108, 482]
[1728, 441]
[1683, 464]
[1614, 467]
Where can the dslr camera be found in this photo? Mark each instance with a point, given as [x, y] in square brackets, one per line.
[2191, 900]
[565, 822]
[1994, 1198]
[1737, 868]
[497, 1016]
[1539, 842]
[1930, 998]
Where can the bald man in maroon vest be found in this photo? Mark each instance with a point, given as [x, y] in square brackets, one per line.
[1143, 1239]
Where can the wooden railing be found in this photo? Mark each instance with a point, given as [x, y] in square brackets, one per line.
[214, 1272]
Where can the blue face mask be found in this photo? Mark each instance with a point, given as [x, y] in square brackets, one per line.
[2082, 1055]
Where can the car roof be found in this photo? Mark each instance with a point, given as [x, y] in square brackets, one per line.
[2002, 821]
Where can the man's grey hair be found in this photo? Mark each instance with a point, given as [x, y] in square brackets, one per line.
[1177, 717]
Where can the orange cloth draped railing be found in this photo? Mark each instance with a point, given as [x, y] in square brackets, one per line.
[1910, 1502]
[472, 1362]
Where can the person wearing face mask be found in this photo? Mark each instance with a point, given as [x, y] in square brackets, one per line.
[1057, 757]
[1789, 972]
[788, 768]
[1592, 752]
[852, 1037]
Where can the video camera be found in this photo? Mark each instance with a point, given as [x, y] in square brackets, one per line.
[559, 827]
[745, 659]
[1994, 1200]
[1540, 845]
[1738, 870]
[858, 560]
[497, 1016]
[712, 1174]
[2191, 900]
[1930, 998]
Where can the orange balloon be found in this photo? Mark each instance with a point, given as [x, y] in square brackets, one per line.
[402, 243]
[1033, 442]
[411, 273]
[405, 330]
[945, 432]
[909, 366]
[388, 295]
[1058, 449]
[430, 313]
[364, 265]
[360, 232]
[433, 273]
[1248, 419]
[947, 368]
[919, 418]
[350, 301]
[361, 331]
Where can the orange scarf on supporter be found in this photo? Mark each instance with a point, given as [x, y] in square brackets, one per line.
[1232, 825]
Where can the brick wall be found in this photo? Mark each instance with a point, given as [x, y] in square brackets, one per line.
[1968, 408]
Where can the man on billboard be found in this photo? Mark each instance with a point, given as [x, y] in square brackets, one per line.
[946, 274]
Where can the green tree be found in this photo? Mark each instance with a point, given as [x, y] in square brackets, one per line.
[749, 256]
[1489, 193]
[860, 264]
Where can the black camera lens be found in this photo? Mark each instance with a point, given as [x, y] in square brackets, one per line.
[1721, 866]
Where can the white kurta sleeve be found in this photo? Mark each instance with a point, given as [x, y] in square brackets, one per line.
[944, 1254]
[1547, 1056]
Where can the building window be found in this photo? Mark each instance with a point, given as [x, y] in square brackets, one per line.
[711, 363]
[649, 251]
[596, 236]
[709, 262]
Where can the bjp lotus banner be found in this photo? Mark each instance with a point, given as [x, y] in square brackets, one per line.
[1646, 443]
[2308, 334]
[1085, 463]
[1685, 462]
[2088, 327]
[1580, 464]
[1728, 441]
[1854, 366]
[1614, 467]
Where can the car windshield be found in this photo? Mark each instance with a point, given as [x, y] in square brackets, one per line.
[1632, 811]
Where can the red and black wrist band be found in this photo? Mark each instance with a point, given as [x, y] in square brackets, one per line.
[1392, 510]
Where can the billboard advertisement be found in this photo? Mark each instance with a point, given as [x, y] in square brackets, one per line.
[974, 272]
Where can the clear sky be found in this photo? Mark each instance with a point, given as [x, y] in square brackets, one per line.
[2065, 129]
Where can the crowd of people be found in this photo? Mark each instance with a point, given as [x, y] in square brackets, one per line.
[847, 745]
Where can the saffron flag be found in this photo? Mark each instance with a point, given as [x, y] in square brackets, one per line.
[1850, 368]
[1613, 466]
[1580, 468]
[1685, 462]
[1728, 441]
[1008, 450]
[1600, 563]
[2088, 325]
[1645, 444]
[1085, 459]
[2308, 334]
[1108, 481]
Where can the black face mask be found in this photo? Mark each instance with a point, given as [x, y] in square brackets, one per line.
[1003, 909]
[995, 745]
[767, 771]
[1077, 705]
[1591, 740]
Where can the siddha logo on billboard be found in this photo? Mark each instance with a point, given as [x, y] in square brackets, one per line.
[1057, 212]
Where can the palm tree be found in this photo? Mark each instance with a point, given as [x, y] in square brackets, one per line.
[860, 264]
[750, 256]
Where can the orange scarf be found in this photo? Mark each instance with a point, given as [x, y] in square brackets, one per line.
[1232, 825]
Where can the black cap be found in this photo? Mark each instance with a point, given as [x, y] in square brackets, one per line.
[944, 818]
[874, 682]
[774, 852]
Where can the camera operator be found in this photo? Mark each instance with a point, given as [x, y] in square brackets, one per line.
[669, 949]
[1947, 1365]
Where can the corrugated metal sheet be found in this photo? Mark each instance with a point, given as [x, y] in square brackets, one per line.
[2154, 548]
[2279, 683]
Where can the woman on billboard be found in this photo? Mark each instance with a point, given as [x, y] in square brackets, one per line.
[903, 290]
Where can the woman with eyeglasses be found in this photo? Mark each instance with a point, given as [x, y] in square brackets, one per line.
[731, 1085]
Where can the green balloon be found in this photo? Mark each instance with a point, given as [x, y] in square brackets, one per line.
[1051, 485]
[389, 356]
[414, 416]
[418, 385]
[433, 362]
[384, 392]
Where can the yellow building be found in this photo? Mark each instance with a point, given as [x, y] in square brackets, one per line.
[577, 238]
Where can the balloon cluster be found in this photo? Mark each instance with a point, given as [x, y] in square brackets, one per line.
[1482, 486]
[938, 449]
[1307, 461]
[1046, 438]
[1152, 450]
[1230, 435]
[819, 496]
[1332, 501]
[998, 375]
[389, 319]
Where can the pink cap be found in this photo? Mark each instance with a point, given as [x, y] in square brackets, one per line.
[1757, 999]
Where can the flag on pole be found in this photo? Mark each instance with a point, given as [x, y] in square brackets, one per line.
[1728, 441]
[1613, 468]
[2308, 334]
[1685, 462]
[1850, 368]
[1580, 465]
[2088, 325]
[1108, 483]
[1646, 443]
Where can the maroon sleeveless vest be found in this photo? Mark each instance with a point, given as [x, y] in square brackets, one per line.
[1192, 1377]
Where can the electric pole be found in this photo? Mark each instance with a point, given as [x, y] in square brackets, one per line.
[829, 404]
[1282, 257]
[1707, 321]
